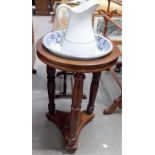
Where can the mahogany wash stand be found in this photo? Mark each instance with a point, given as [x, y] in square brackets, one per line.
[71, 123]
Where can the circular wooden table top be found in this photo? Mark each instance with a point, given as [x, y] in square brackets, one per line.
[81, 66]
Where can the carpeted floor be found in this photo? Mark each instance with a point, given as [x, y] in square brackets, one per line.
[102, 136]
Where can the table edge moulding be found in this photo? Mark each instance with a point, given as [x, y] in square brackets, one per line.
[82, 66]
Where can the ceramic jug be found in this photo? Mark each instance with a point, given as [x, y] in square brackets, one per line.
[79, 36]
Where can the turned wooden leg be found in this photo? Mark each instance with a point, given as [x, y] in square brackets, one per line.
[51, 89]
[75, 108]
[71, 123]
[93, 92]
[116, 104]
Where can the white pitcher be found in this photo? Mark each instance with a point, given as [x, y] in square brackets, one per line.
[79, 36]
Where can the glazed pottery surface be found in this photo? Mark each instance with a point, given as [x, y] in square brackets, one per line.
[79, 36]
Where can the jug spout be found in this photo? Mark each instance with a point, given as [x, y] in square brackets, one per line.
[85, 6]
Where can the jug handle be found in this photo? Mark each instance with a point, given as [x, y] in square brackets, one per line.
[57, 13]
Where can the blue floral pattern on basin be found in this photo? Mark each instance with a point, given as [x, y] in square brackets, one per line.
[55, 38]
[53, 42]
[102, 44]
